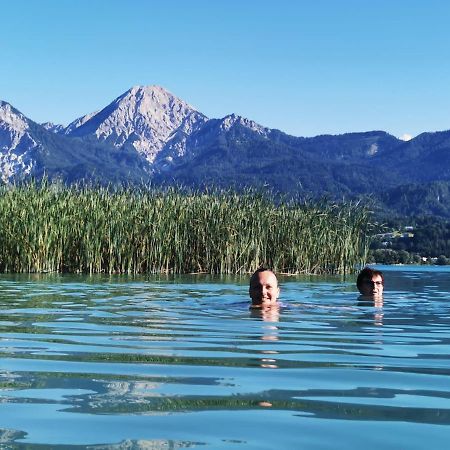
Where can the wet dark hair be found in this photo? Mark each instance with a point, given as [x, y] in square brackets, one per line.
[366, 274]
[261, 269]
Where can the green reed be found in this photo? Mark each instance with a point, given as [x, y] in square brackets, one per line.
[50, 228]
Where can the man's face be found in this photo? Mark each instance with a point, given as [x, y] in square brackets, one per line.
[264, 290]
[372, 287]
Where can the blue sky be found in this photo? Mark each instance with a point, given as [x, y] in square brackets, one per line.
[305, 67]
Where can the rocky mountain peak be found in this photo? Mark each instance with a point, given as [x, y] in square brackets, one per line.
[144, 118]
[53, 127]
[10, 117]
[232, 119]
[17, 145]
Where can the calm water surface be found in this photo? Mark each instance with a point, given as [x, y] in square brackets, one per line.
[159, 363]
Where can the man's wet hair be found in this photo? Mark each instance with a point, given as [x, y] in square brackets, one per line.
[259, 270]
[262, 269]
[366, 274]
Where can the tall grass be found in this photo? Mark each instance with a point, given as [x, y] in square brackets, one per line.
[49, 228]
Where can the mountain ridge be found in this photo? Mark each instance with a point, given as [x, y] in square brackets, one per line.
[148, 134]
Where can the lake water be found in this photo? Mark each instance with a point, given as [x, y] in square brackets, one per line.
[168, 363]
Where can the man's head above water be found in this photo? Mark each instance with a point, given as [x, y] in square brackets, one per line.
[263, 289]
[370, 282]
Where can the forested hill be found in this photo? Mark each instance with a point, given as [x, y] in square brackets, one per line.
[417, 200]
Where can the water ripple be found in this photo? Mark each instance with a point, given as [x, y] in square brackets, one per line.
[138, 363]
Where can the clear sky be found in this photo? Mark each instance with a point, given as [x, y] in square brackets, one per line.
[306, 67]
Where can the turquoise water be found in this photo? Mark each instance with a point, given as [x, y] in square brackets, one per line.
[159, 363]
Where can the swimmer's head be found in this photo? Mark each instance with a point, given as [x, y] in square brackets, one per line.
[370, 282]
[264, 289]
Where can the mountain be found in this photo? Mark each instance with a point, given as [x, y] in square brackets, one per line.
[142, 119]
[17, 143]
[183, 147]
[426, 158]
[54, 128]
[235, 151]
[29, 149]
[416, 199]
[148, 134]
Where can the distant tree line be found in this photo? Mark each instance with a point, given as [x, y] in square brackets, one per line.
[429, 242]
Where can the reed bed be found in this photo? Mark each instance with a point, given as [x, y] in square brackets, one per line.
[51, 228]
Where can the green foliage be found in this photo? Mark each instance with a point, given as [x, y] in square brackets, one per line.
[51, 228]
[430, 236]
[419, 199]
[441, 260]
[390, 256]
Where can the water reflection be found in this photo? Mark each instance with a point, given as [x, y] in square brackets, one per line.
[376, 304]
[11, 438]
[147, 363]
[271, 314]
[270, 332]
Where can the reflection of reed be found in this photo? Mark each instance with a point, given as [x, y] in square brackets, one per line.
[280, 400]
